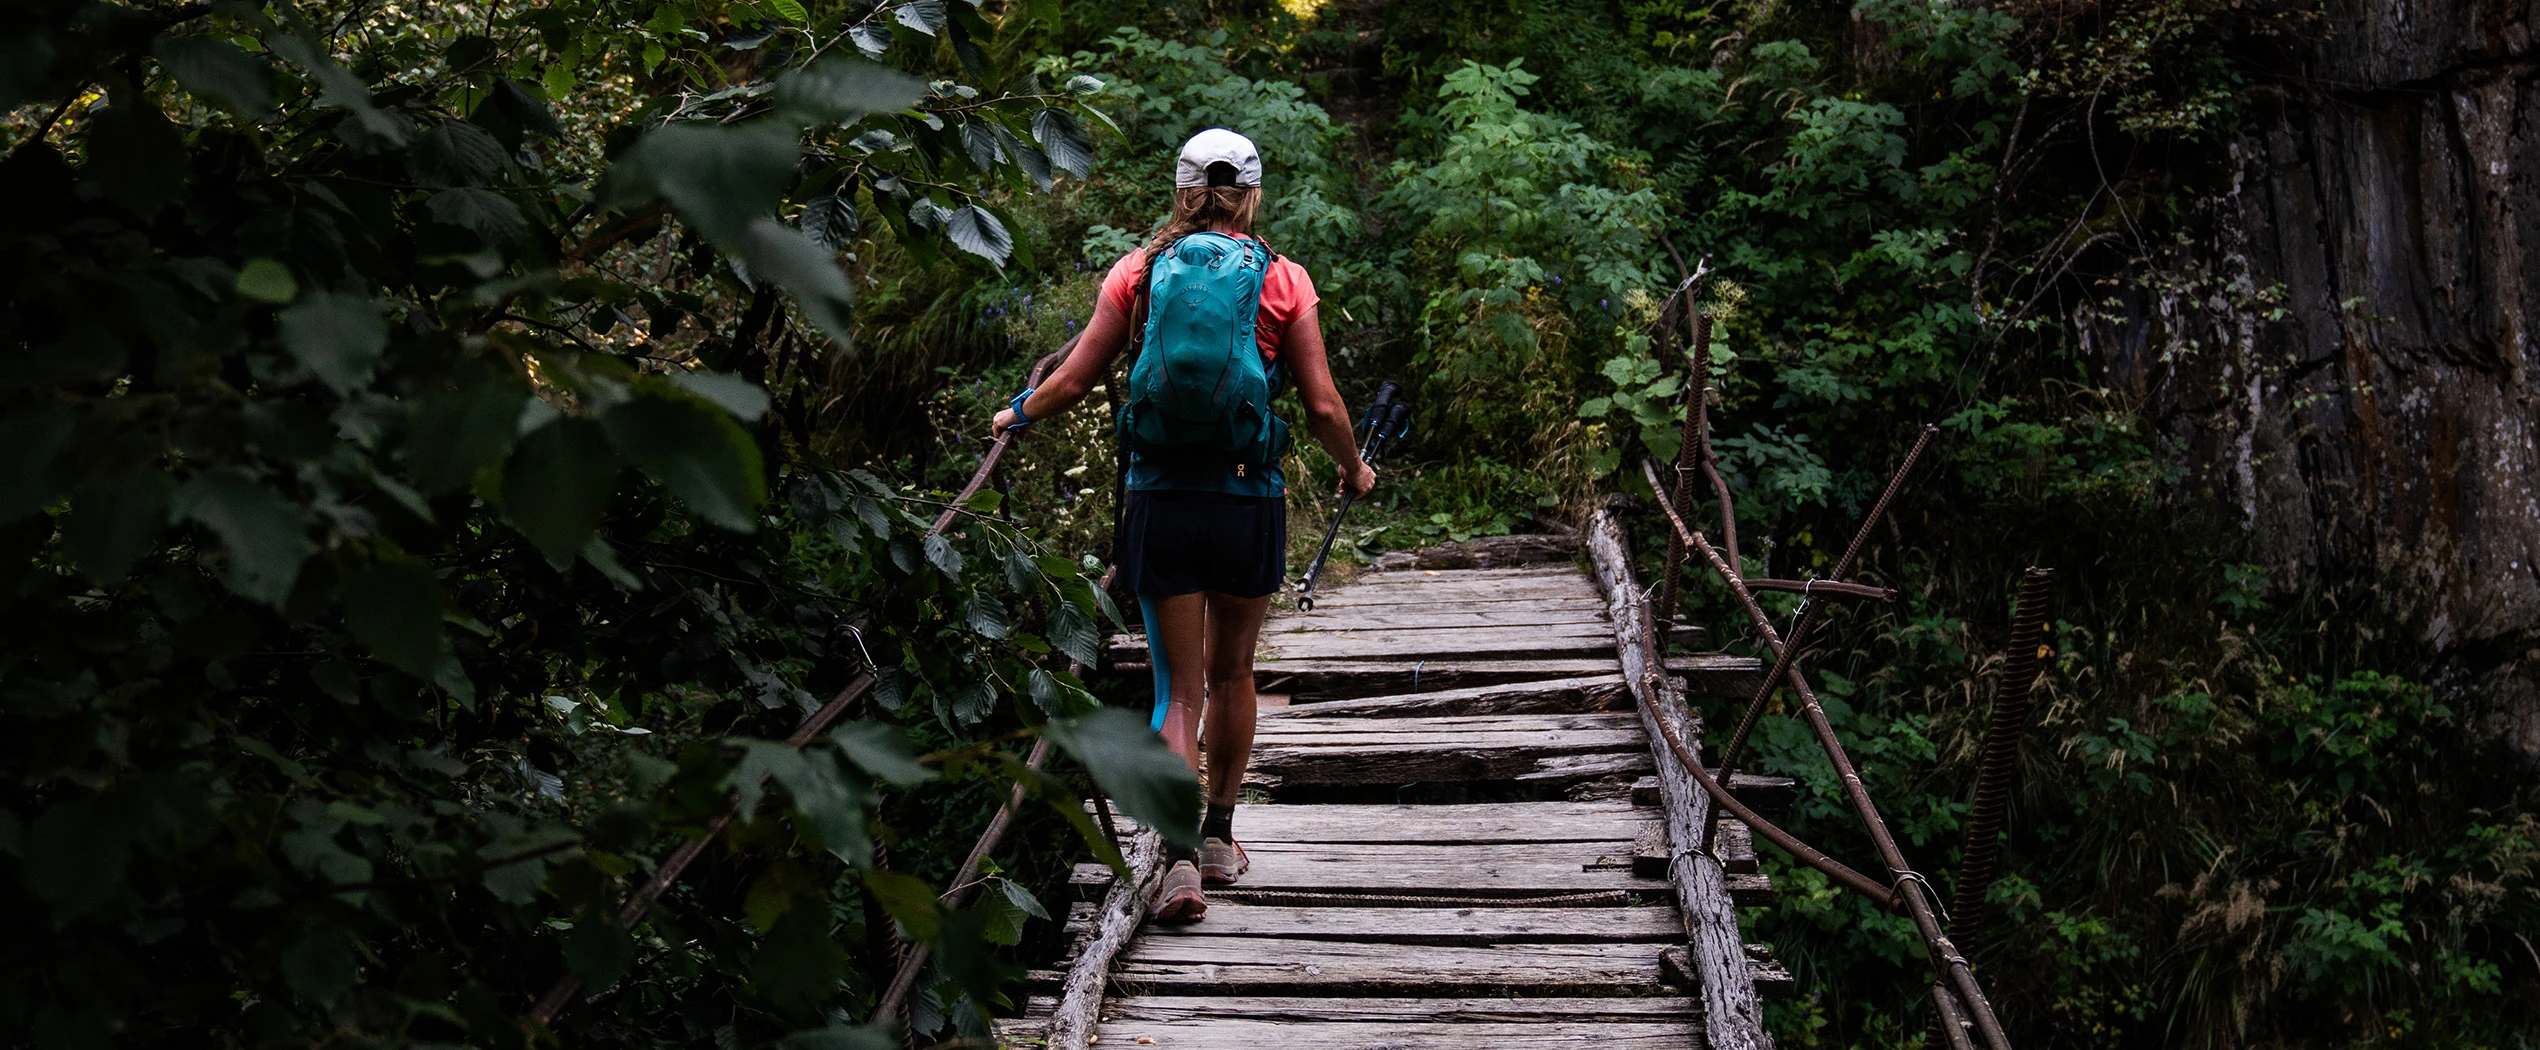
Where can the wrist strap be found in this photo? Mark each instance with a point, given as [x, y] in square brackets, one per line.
[1021, 420]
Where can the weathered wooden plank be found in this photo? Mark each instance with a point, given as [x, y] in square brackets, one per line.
[1434, 925]
[1480, 870]
[1483, 552]
[1494, 614]
[1293, 1010]
[1281, 966]
[1733, 1017]
[1513, 572]
[1498, 641]
[1303, 724]
[1306, 680]
[1402, 1035]
[1509, 822]
[1592, 693]
[1556, 758]
[1768, 795]
[1551, 640]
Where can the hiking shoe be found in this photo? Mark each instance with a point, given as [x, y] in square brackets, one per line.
[1222, 861]
[1178, 898]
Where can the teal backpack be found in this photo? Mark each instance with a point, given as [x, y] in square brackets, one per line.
[1198, 387]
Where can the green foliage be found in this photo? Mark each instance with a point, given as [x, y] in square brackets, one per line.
[395, 584]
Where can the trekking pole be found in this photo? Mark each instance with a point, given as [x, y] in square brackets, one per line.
[1387, 420]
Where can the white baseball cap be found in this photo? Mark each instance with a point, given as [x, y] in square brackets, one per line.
[1213, 147]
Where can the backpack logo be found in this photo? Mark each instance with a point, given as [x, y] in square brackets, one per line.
[1199, 386]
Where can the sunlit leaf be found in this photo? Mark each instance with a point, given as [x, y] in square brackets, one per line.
[1064, 140]
[925, 16]
[973, 229]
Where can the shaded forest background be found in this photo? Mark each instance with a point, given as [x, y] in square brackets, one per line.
[444, 459]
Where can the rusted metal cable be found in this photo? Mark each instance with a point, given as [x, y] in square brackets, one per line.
[2000, 764]
[1808, 606]
[1906, 887]
[1833, 587]
[558, 995]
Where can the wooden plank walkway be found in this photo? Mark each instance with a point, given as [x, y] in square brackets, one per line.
[1461, 846]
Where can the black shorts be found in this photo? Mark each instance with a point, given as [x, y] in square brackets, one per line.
[1174, 542]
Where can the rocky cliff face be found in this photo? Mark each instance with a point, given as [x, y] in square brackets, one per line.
[2349, 361]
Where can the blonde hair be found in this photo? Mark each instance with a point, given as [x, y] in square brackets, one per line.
[1197, 208]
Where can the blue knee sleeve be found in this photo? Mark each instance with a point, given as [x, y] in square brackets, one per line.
[1155, 660]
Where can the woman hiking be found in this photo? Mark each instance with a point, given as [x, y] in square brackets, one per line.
[1213, 319]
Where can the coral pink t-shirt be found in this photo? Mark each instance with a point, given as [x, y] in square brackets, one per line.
[1287, 292]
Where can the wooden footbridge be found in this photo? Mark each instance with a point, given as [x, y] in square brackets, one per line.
[1470, 840]
[1489, 819]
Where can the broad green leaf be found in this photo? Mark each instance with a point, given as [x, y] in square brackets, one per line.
[803, 267]
[488, 214]
[394, 607]
[789, 10]
[32, 440]
[598, 949]
[925, 16]
[262, 535]
[557, 484]
[115, 519]
[76, 857]
[1131, 763]
[940, 554]
[1075, 634]
[1029, 157]
[210, 66]
[337, 336]
[974, 230]
[268, 281]
[746, 400]
[454, 153]
[456, 433]
[972, 703]
[135, 155]
[516, 883]
[525, 108]
[844, 90]
[981, 145]
[1001, 918]
[1064, 140]
[881, 750]
[830, 222]
[1020, 573]
[799, 965]
[987, 615]
[319, 964]
[695, 450]
[721, 178]
[910, 901]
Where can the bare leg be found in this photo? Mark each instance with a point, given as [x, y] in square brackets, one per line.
[1182, 624]
[1234, 628]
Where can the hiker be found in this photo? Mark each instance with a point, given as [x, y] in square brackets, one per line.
[1213, 319]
